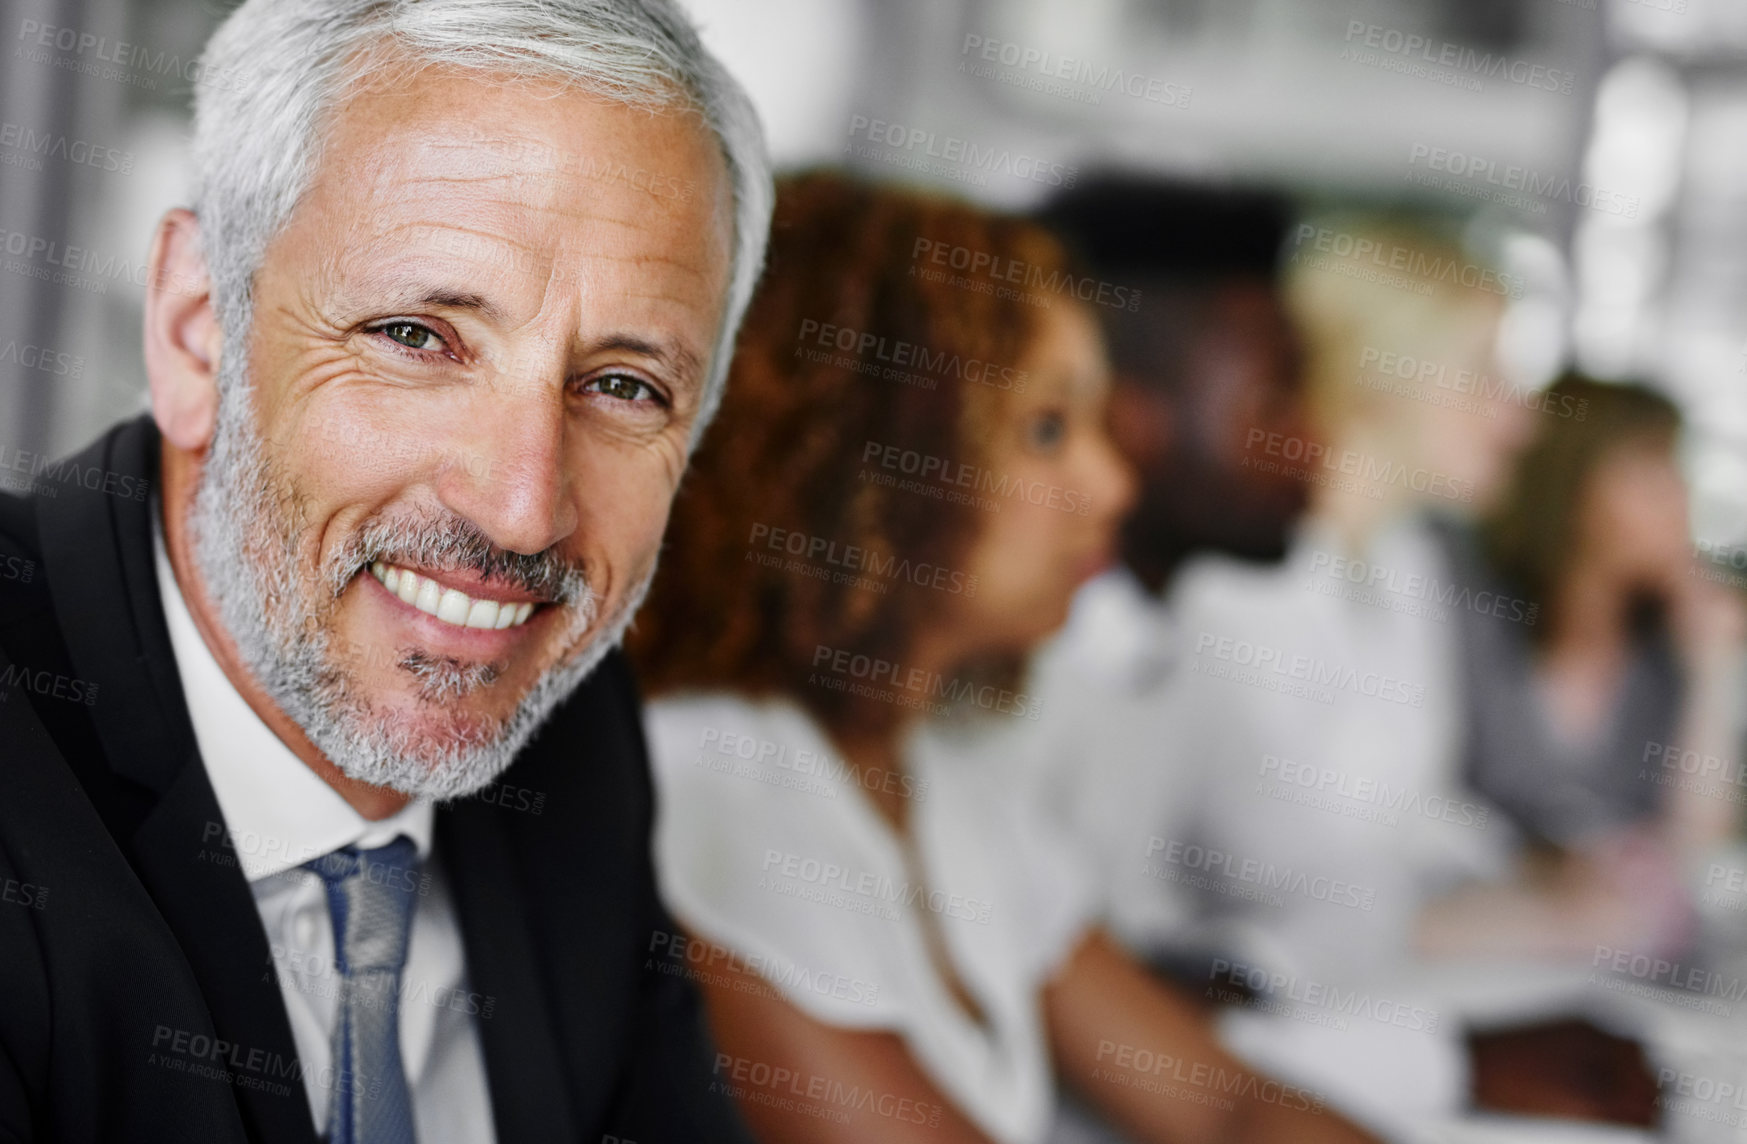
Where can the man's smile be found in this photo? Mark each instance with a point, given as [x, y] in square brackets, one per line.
[457, 613]
[487, 605]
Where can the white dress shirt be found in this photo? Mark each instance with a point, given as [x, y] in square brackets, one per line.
[784, 860]
[1101, 762]
[1204, 748]
[278, 814]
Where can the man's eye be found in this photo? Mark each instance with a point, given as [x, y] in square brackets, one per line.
[412, 335]
[623, 387]
[1046, 430]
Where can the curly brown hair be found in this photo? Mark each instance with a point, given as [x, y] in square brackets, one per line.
[854, 277]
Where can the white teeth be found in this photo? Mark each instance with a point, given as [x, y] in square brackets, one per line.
[452, 608]
[448, 604]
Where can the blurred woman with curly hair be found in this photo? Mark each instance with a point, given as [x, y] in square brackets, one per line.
[907, 481]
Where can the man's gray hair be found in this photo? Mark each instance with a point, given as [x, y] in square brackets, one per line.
[275, 68]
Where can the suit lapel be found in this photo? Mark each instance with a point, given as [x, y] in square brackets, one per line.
[522, 1057]
[96, 536]
[97, 556]
[193, 875]
[560, 906]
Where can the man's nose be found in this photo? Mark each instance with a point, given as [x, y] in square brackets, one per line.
[512, 480]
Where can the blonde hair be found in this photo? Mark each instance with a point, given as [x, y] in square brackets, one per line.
[1401, 287]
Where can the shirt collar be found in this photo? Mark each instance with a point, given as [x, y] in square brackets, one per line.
[278, 813]
[1121, 631]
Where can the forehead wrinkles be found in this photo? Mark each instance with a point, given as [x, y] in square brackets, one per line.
[526, 207]
[514, 270]
[424, 252]
[605, 155]
[451, 129]
[552, 191]
[509, 248]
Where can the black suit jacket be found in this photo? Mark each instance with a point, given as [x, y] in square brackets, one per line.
[137, 998]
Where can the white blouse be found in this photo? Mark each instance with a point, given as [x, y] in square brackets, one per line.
[766, 844]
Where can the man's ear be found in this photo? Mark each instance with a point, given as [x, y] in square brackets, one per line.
[182, 334]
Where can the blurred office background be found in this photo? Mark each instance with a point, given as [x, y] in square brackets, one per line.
[1641, 102]
[1603, 161]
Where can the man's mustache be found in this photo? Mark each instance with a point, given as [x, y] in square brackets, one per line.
[450, 543]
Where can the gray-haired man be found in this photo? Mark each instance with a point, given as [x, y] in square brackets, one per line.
[427, 358]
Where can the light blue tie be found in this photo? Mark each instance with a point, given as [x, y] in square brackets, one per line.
[371, 894]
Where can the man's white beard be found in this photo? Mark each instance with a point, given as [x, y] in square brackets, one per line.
[245, 541]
